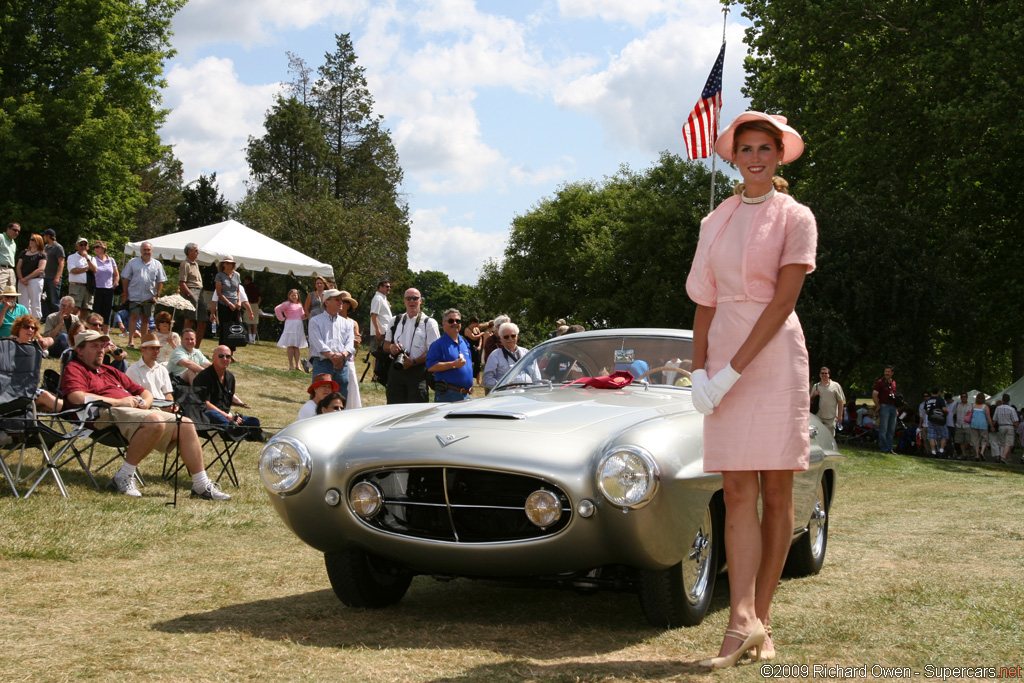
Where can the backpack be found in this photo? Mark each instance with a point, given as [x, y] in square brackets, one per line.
[936, 414]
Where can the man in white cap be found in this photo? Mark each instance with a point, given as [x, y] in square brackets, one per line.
[79, 265]
[147, 372]
[332, 340]
[87, 379]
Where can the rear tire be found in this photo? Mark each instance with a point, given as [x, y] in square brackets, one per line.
[681, 595]
[360, 579]
[807, 555]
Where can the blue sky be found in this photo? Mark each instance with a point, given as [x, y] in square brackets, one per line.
[492, 104]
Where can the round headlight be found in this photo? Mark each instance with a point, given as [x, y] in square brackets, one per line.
[365, 499]
[543, 508]
[628, 476]
[285, 465]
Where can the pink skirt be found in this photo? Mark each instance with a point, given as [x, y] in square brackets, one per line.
[763, 422]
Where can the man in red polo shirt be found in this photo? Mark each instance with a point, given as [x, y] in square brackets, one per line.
[86, 379]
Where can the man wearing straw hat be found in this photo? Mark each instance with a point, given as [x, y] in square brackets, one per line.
[332, 339]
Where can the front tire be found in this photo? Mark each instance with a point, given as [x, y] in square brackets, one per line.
[681, 595]
[360, 579]
[807, 555]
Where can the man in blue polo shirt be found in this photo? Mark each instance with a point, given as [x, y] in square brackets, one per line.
[448, 358]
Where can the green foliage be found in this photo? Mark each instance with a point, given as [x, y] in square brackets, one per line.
[202, 204]
[611, 254]
[160, 184]
[912, 120]
[79, 85]
[326, 175]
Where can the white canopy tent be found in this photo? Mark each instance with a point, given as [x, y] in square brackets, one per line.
[251, 250]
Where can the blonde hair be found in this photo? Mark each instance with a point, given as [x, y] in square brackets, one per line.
[780, 183]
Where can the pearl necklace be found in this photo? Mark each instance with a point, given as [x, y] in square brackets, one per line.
[757, 200]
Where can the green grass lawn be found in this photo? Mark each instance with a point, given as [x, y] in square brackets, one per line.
[923, 568]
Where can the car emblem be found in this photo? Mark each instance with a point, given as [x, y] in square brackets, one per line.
[449, 439]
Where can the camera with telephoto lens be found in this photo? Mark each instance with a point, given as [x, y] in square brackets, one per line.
[399, 361]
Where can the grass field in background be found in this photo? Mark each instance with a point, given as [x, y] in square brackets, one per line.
[923, 568]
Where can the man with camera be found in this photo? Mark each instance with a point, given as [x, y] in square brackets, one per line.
[407, 340]
[332, 340]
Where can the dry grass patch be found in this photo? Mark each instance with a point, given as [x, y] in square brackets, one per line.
[923, 568]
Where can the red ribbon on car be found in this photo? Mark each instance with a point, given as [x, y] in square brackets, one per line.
[616, 380]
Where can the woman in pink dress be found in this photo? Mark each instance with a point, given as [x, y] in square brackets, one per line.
[293, 338]
[753, 254]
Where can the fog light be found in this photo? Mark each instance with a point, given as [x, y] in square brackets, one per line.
[332, 497]
[365, 499]
[585, 507]
[543, 508]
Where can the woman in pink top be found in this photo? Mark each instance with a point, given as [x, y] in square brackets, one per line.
[751, 366]
[294, 337]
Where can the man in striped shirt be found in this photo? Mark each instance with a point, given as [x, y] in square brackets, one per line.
[1006, 420]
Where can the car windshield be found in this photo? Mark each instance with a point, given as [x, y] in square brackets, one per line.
[657, 360]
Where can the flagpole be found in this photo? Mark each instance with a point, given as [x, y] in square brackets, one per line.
[718, 116]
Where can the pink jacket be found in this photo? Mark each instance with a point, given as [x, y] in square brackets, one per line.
[288, 311]
[783, 232]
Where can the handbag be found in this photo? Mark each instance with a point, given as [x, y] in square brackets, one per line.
[236, 334]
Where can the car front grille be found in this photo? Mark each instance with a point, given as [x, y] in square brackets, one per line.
[459, 504]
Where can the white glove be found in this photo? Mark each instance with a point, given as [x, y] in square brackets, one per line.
[721, 383]
[698, 392]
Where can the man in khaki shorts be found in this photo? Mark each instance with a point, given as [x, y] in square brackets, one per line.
[190, 285]
[86, 379]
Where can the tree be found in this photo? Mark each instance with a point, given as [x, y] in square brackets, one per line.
[325, 175]
[911, 115]
[79, 89]
[440, 293]
[614, 254]
[160, 184]
[202, 204]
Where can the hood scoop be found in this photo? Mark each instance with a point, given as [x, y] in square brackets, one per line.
[485, 415]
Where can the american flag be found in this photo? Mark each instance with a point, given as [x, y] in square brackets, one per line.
[701, 130]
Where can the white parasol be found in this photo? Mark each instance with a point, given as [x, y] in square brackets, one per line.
[176, 301]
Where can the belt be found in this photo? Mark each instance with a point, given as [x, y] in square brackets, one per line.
[460, 389]
[6, 267]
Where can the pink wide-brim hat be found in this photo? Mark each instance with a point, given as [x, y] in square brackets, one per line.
[792, 143]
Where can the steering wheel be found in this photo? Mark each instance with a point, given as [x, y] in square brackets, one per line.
[663, 368]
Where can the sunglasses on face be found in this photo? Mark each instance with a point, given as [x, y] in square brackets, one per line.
[454, 321]
[334, 409]
[509, 336]
[224, 355]
[30, 328]
[412, 298]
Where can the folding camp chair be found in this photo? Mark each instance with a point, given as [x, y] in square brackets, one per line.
[223, 440]
[19, 379]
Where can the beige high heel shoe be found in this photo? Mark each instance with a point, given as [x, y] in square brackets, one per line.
[753, 640]
[767, 650]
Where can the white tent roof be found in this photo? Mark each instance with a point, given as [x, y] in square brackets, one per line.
[251, 250]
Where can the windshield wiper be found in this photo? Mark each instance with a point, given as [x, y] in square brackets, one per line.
[545, 382]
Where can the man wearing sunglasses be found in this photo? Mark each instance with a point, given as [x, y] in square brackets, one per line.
[407, 340]
[219, 385]
[448, 358]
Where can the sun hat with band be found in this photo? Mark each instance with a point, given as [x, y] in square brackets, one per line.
[149, 340]
[323, 379]
[792, 143]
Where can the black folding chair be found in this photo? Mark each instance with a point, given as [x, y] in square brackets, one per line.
[19, 380]
[224, 441]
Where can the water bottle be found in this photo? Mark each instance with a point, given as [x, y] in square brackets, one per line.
[213, 327]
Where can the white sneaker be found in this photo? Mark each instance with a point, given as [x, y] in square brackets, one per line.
[211, 492]
[5, 439]
[125, 486]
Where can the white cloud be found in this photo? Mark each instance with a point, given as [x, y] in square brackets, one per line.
[253, 22]
[458, 251]
[212, 116]
[440, 144]
[635, 12]
[525, 175]
[647, 91]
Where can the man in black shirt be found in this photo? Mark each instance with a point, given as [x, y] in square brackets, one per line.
[219, 385]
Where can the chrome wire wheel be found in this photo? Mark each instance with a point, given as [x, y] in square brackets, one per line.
[697, 565]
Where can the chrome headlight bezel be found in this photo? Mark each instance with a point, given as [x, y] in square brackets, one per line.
[285, 451]
[640, 462]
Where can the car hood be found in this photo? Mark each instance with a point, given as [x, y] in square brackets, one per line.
[560, 410]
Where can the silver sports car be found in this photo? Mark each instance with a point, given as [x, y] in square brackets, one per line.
[545, 480]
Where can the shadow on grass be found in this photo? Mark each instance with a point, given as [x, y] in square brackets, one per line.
[534, 623]
[578, 672]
